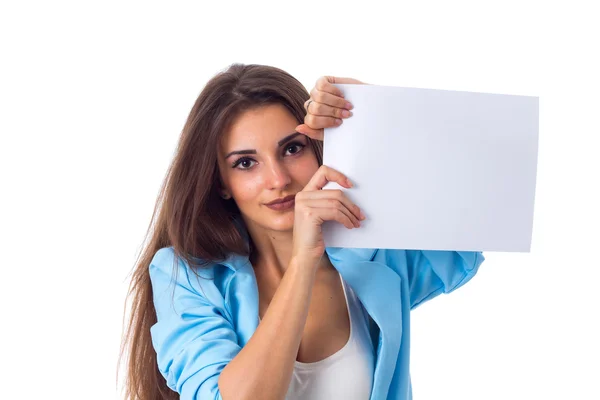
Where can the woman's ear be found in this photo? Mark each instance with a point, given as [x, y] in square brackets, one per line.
[223, 190]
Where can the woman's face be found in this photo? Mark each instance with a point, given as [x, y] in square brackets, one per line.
[278, 162]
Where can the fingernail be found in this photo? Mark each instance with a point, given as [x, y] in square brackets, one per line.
[349, 105]
[346, 113]
[362, 215]
[338, 121]
[349, 183]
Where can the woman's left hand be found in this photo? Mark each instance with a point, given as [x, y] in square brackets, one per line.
[326, 107]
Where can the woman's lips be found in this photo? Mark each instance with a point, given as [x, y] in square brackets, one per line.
[286, 205]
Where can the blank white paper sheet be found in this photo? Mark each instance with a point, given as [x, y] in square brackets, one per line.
[436, 169]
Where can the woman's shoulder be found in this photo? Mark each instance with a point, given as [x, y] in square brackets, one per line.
[166, 261]
[352, 253]
[166, 258]
[208, 279]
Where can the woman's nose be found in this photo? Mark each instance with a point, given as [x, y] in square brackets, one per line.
[279, 177]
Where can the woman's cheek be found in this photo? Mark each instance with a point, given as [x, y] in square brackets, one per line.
[249, 187]
[309, 167]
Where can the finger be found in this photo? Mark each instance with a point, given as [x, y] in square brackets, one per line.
[332, 214]
[333, 194]
[316, 134]
[319, 122]
[325, 110]
[327, 98]
[335, 79]
[326, 84]
[326, 174]
[351, 210]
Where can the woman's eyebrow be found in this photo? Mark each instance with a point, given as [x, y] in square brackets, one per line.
[280, 143]
[287, 138]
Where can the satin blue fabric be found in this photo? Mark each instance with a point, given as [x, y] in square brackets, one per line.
[205, 318]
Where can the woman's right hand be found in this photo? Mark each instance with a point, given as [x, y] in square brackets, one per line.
[326, 107]
[313, 206]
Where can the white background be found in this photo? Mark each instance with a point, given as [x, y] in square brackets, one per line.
[94, 96]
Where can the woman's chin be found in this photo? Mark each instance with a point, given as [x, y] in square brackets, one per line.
[282, 223]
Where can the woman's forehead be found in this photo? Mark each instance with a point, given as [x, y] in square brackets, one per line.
[263, 126]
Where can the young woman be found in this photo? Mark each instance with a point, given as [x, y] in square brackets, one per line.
[235, 295]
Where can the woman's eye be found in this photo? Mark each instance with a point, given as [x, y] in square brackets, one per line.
[299, 147]
[244, 162]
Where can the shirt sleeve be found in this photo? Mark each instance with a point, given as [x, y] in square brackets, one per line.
[193, 339]
[432, 272]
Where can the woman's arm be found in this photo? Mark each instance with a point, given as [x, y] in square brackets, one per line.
[437, 271]
[263, 368]
[432, 272]
[196, 344]
[194, 339]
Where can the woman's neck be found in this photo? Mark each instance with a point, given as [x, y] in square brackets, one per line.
[272, 252]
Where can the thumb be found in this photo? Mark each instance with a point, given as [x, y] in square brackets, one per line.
[316, 134]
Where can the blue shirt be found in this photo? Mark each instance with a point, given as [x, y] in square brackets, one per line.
[205, 318]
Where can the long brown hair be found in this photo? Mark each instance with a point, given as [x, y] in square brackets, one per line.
[189, 214]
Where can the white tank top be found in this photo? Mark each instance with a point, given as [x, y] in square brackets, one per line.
[346, 374]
